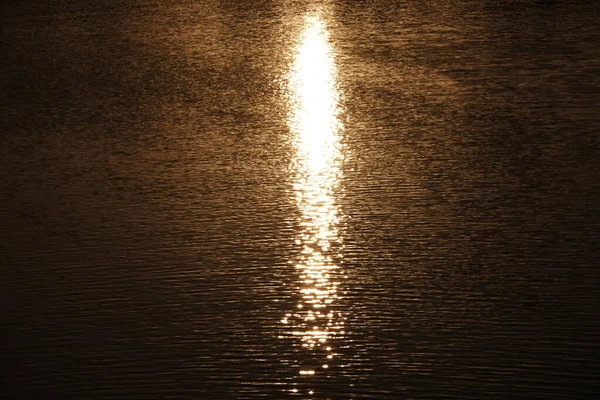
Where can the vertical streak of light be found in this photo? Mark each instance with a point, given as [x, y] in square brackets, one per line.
[316, 128]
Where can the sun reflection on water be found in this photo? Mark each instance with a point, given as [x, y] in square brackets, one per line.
[314, 122]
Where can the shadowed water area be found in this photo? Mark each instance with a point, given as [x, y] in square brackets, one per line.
[305, 199]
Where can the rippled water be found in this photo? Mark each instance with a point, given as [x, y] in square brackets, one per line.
[293, 198]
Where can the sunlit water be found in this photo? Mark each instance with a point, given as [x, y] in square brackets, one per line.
[314, 121]
[310, 199]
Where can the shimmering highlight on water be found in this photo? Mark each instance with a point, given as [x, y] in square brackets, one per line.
[315, 125]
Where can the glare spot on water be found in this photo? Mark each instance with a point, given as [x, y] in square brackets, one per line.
[315, 126]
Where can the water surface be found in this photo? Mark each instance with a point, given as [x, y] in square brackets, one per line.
[320, 199]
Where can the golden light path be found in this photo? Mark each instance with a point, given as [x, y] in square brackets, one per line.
[316, 129]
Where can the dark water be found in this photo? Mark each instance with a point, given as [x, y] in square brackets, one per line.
[176, 183]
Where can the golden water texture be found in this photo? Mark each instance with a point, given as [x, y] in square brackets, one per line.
[316, 128]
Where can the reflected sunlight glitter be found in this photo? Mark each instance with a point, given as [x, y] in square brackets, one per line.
[315, 125]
